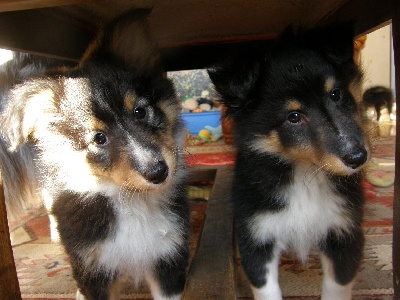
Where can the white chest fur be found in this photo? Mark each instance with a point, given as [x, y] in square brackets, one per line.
[313, 208]
[144, 233]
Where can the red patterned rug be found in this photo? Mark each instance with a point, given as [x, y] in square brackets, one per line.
[211, 159]
[44, 271]
[210, 154]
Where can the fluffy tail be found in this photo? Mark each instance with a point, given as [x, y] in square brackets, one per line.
[19, 179]
[17, 166]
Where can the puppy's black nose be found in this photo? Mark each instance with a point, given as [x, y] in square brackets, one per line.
[356, 159]
[157, 173]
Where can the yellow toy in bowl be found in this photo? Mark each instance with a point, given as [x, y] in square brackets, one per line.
[204, 134]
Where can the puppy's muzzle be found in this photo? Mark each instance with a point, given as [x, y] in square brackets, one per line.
[157, 172]
[356, 157]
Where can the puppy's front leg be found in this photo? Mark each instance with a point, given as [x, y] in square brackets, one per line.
[95, 285]
[167, 280]
[261, 264]
[113, 293]
[340, 260]
[271, 289]
[331, 290]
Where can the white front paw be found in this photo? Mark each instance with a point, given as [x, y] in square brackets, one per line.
[270, 291]
[79, 295]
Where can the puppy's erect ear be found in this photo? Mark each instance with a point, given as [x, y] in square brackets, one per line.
[127, 40]
[236, 77]
[30, 107]
[335, 41]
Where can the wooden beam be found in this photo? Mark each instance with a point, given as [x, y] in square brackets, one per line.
[396, 200]
[192, 57]
[201, 56]
[211, 274]
[368, 14]
[8, 275]
[12, 5]
[46, 32]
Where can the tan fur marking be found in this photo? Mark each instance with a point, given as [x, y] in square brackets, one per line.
[293, 105]
[355, 89]
[267, 144]
[97, 125]
[329, 84]
[124, 176]
[327, 162]
[306, 153]
[334, 164]
[171, 111]
[129, 102]
[171, 160]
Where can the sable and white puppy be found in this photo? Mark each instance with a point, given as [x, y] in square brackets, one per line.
[106, 137]
[300, 148]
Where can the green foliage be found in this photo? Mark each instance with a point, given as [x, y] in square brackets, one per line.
[191, 83]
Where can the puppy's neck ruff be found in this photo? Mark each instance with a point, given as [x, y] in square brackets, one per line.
[153, 230]
[312, 209]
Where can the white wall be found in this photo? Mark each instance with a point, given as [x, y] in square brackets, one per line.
[376, 58]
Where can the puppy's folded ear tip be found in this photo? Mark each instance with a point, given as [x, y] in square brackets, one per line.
[30, 107]
[128, 40]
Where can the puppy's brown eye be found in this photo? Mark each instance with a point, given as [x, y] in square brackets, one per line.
[140, 113]
[294, 117]
[100, 138]
[335, 95]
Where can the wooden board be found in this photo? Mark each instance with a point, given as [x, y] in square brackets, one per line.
[211, 274]
[9, 288]
[396, 200]
[45, 31]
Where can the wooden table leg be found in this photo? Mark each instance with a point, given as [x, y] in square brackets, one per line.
[9, 286]
[396, 201]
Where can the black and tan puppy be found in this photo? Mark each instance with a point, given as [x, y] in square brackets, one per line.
[300, 148]
[106, 137]
[379, 97]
